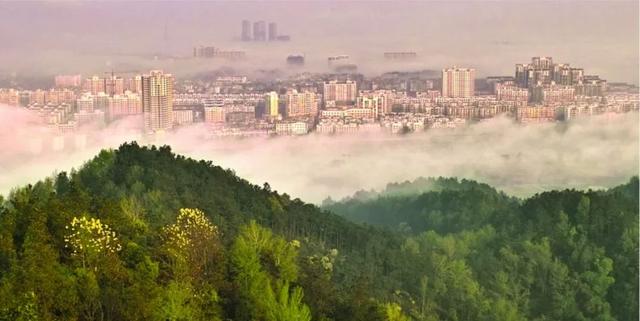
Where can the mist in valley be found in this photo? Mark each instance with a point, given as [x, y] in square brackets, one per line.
[595, 152]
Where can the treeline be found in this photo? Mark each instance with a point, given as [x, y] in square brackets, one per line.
[140, 233]
[560, 255]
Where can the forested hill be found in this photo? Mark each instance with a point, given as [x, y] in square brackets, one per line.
[140, 233]
[576, 251]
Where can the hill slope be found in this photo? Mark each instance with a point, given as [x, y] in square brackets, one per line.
[139, 233]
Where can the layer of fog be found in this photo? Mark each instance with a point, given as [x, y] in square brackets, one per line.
[591, 153]
[85, 37]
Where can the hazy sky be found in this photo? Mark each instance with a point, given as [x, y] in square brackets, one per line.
[51, 37]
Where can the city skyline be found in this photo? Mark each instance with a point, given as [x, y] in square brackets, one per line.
[598, 36]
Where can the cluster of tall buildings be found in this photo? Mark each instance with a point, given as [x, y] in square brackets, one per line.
[549, 82]
[75, 100]
[111, 85]
[400, 55]
[258, 31]
[543, 71]
[336, 103]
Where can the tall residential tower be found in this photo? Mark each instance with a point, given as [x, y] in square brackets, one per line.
[157, 101]
[271, 104]
[458, 82]
[259, 31]
[246, 30]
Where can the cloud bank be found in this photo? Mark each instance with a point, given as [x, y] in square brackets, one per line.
[521, 160]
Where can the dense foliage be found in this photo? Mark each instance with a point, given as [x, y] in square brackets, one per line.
[469, 249]
[139, 233]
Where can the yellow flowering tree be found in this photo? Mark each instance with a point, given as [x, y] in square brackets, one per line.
[393, 312]
[89, 239]
[192, 242]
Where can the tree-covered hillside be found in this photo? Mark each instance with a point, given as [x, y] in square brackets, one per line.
[559, 255]
[140, 233]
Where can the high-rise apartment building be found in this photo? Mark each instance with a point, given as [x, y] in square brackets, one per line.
[259, 31]
[340, 93]
[114, 85]
[157, 101]
[542, 62]
[271, 104]
[301, 103]
[94, 85]
[134, 84]
[458, 82]
[273, 31]
[246, 30]
[379, 102]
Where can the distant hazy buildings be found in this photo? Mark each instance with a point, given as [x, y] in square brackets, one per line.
[66, 81]
[400, 55]
[273, 31]
[213, 52]
[261, 31]
[246, 30]
[295, 60]
[458, 82]
[157, 101]
[543, 71]
[552, 83]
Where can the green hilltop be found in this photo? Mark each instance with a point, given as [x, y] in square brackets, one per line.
[140, 233]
